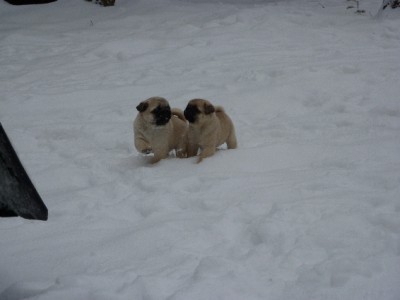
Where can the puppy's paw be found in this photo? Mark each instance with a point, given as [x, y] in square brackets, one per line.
[180, 153]
[155, 159]
[146, 151]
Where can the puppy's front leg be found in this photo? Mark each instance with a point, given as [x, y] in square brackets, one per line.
[206, 152]
[159, 155]
[192, 150]
[182, 149]
[142, 145]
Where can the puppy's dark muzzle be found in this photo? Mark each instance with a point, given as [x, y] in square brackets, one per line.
[162, 115]
[190, 113]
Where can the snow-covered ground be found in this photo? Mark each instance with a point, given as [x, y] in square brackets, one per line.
[308, 206]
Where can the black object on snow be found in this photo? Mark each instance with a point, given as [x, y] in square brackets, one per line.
[18, 196]
[103, 2]
[26, 2]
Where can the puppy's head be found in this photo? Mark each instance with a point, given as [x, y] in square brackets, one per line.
[197, 110]
[155, 110]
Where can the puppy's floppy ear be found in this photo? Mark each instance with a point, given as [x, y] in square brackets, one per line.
[208, 108]
[142, 106]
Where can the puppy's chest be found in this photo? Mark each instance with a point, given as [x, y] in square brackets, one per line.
[157, 133]
[199, 133]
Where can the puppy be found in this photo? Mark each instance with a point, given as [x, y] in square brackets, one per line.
[158, 129]
[209, 127]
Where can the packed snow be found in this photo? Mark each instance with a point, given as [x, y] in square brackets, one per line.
[307, 207]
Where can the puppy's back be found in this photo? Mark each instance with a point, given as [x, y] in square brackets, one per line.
[227, 133]
[225, 120]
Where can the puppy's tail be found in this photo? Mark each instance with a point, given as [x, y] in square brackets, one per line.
[219, 109]
[177, 112]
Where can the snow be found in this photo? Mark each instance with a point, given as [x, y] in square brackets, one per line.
[307, 207]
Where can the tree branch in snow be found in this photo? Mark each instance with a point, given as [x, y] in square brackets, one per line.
[392, 3]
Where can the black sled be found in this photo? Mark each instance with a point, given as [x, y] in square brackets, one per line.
[18, 196]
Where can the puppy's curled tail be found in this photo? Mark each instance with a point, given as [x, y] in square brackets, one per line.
[177, 112]
[219, 109]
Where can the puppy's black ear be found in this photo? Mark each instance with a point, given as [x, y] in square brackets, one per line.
[208, 108]
[142, 106]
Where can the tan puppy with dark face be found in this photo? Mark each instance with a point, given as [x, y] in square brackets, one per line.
[158, 129]
[209, 127]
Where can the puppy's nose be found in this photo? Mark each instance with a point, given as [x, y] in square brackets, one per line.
[162, 114]
[166, 112]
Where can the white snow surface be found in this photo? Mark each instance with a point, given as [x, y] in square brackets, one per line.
[307, 207]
